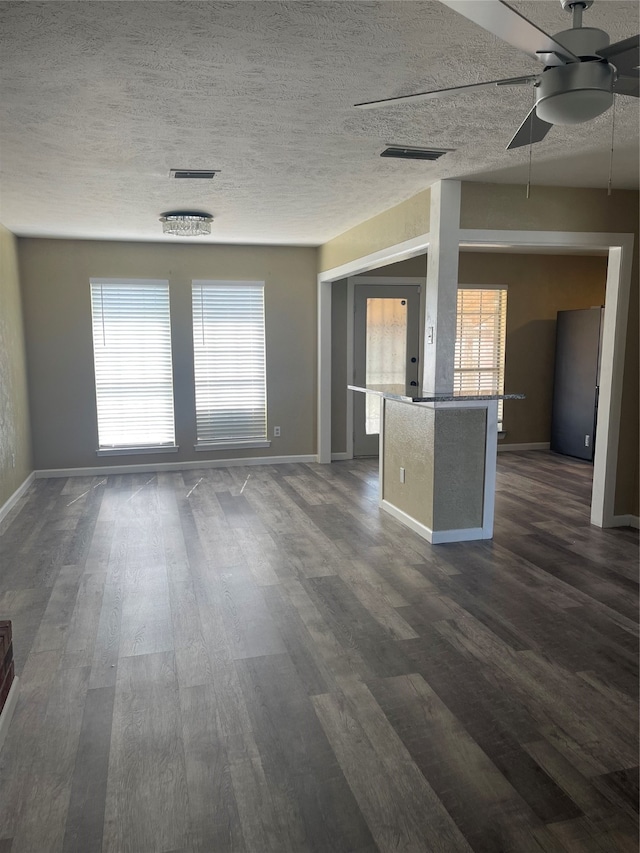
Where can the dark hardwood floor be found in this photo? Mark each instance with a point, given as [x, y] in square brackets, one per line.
[258, 659]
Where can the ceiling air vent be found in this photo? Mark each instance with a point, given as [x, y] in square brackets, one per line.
[403, 153]
[204, 174]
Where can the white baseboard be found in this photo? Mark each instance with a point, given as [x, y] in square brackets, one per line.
[142, 468]
[341, 457]
[536, 445]
[7, 711]
[466, 534]
[9, 504]
[435, 537]
[625, 521]
[408, 520]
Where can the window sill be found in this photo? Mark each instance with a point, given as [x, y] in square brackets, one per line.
[134, 451]
[204, 446]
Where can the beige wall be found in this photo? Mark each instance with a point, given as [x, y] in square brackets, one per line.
[628, 482]
[55, 281]
[393, 226]
[539, 287]
[458, 481]
[15, 439]
[409, 443]
[411, 268]
[443, 454]
[505, 206]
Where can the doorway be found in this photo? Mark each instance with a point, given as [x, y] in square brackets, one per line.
[386, 342]
[619, 247]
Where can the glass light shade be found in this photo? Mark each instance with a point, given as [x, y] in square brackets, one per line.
[186, 223]
[574, 107]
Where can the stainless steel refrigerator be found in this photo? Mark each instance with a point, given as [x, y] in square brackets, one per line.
[576, 381]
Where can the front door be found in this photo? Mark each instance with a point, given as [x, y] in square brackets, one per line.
[386, 346]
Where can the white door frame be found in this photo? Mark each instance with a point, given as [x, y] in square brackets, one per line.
[352, 281]
[400, 252]
[620, 251]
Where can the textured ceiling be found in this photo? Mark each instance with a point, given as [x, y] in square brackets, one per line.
[101, 99]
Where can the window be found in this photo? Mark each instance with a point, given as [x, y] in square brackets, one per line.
[480, 342]
[229, 363]
[132, 357]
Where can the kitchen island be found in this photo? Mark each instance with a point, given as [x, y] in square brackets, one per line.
[438, 460]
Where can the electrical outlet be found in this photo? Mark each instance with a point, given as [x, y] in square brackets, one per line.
[587, 440]
[402, 474]
[276, 432]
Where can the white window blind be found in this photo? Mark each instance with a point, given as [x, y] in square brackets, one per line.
[132, 357]
[229, 361]
[480, 342]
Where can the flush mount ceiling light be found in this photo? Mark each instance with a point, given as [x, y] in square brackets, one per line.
[186, 223]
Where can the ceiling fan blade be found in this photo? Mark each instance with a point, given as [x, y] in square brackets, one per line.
[500, 19]
[625, 55]
[532, 129]
[627, 86]
[437, 93]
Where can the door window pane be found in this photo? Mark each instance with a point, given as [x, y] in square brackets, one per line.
[386, 349]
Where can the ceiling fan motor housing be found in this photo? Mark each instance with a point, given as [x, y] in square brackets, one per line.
[578, 91]
[583, 41]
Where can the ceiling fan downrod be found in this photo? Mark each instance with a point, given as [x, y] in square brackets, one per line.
[577, 7]
[585, 42]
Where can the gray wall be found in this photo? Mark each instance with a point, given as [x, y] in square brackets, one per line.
[15, 439]
[55, 281]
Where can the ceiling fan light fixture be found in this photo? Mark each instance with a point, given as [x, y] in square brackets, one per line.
[574, 107]
[571, 94]
[186, 223]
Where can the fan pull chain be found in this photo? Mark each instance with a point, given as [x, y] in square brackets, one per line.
[613, 128]
[533, 106]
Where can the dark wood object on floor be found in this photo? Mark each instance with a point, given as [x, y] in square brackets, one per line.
[259, 659]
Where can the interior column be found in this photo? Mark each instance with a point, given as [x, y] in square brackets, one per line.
[442, 287]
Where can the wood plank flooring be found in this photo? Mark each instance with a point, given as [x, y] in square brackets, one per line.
[259, 660]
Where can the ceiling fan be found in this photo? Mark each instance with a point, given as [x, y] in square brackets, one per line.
[581, 75]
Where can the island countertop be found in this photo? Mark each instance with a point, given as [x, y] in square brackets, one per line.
[414, 394]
